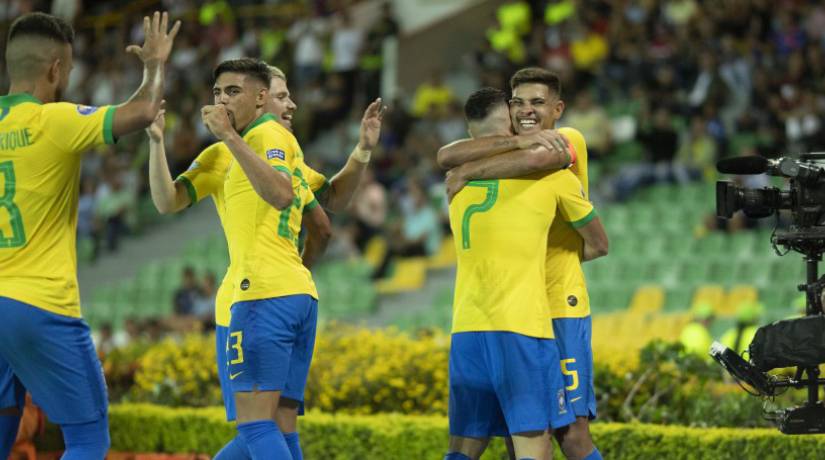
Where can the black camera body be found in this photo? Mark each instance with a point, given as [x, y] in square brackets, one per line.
[796, 342]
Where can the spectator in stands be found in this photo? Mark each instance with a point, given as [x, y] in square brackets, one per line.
[372, 60]
[698, 153]
[432, 96]
[105, 342]
[369, 209]
[186, 294]
[592, 121]
[204, 303]
[114, 203]
[88, 239]
[346, 43]
[308, 53]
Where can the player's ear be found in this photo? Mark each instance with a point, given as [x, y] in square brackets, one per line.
[559, 109]
[260, 100]
[53, 74]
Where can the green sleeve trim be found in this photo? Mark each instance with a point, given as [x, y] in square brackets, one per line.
[323, 188]
[190, 189]
[283, 169]
[311, 205]
[585, 220]
[108, 125]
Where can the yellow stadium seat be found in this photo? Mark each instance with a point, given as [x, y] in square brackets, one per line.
[648, 299]
[710, 294]
[737, 296]
[375, 251]
[445, 257]
[409, 275]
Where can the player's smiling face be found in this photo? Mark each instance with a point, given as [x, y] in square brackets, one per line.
[534, 107]
[242, 95]
[279, 103]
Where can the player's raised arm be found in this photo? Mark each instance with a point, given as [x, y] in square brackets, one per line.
[467, 150]
[342, 187]
[167, 195]
[274, 186]
[140, 110]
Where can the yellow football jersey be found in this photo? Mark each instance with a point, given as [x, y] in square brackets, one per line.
[263, 240]
[566, 286]
[40, 153]
[500, 229]
[205, 177]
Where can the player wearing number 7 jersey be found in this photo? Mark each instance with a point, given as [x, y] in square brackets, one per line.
[504, 373]
[45, 347]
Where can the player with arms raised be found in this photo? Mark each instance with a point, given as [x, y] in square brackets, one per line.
[45, 346]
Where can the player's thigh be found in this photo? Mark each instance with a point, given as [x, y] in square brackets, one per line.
[576, 358]
[474, 409]
[302, 350]
[535, 445]
[54, 358]
[222, 364]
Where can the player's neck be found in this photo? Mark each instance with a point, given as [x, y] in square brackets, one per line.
[32, 87]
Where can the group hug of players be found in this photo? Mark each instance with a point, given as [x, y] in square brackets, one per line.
[519, 213]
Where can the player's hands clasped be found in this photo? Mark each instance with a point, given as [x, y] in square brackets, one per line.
[217, 121]
[371, 125]
[550, 139]
[157, 41]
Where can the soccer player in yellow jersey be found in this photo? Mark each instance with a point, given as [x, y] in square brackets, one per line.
[45, 346]
[504, 372]
[206, 178]
[274, 311]
[536, 106]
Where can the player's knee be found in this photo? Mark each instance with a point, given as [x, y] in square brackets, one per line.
[86, 441]
[286, 416]
[255, 406]
[575, 439]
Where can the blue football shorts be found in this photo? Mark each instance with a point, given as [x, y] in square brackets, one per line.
[502, 383]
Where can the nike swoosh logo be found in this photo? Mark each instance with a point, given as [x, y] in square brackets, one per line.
[572, 400]
[232, 376]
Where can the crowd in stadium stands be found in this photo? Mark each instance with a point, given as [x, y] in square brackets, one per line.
[660, 90]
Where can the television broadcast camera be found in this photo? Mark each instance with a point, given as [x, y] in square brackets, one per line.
[796, 342]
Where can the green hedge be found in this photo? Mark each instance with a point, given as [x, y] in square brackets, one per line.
[146, 428]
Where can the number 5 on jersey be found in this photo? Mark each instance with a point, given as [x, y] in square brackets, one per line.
[484, 206]
[17, 237]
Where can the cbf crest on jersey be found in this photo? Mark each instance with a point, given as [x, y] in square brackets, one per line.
[86, 109]
[275, 153]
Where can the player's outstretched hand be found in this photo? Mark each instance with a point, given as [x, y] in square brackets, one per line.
[550, 139]
[157, 41]
[371, 125]
[155, 130]
[455, 181]
[217, 121]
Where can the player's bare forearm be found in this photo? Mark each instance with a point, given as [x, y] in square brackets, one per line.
[466, 150]
[513, 164]
[319, 231]
[342, 186]
[168, 196]
[140, 110]
[595, 240]
[274, 187]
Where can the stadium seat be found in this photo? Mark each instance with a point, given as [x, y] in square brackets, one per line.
[445, 257]
[375, 251]
[736, 296]
[709, 294]
[648, 299]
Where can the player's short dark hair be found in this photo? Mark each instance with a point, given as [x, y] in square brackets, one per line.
[536, 75]
[481, 102]
[254, 68]
[41, 25]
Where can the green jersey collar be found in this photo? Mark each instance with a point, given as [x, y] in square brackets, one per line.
[18, 98]
[263, 118]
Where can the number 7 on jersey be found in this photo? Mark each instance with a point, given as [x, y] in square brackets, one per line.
[484, 206]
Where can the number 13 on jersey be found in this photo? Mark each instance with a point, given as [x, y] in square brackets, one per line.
[13, 235]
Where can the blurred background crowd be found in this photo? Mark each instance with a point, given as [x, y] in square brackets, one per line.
[661, 89]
